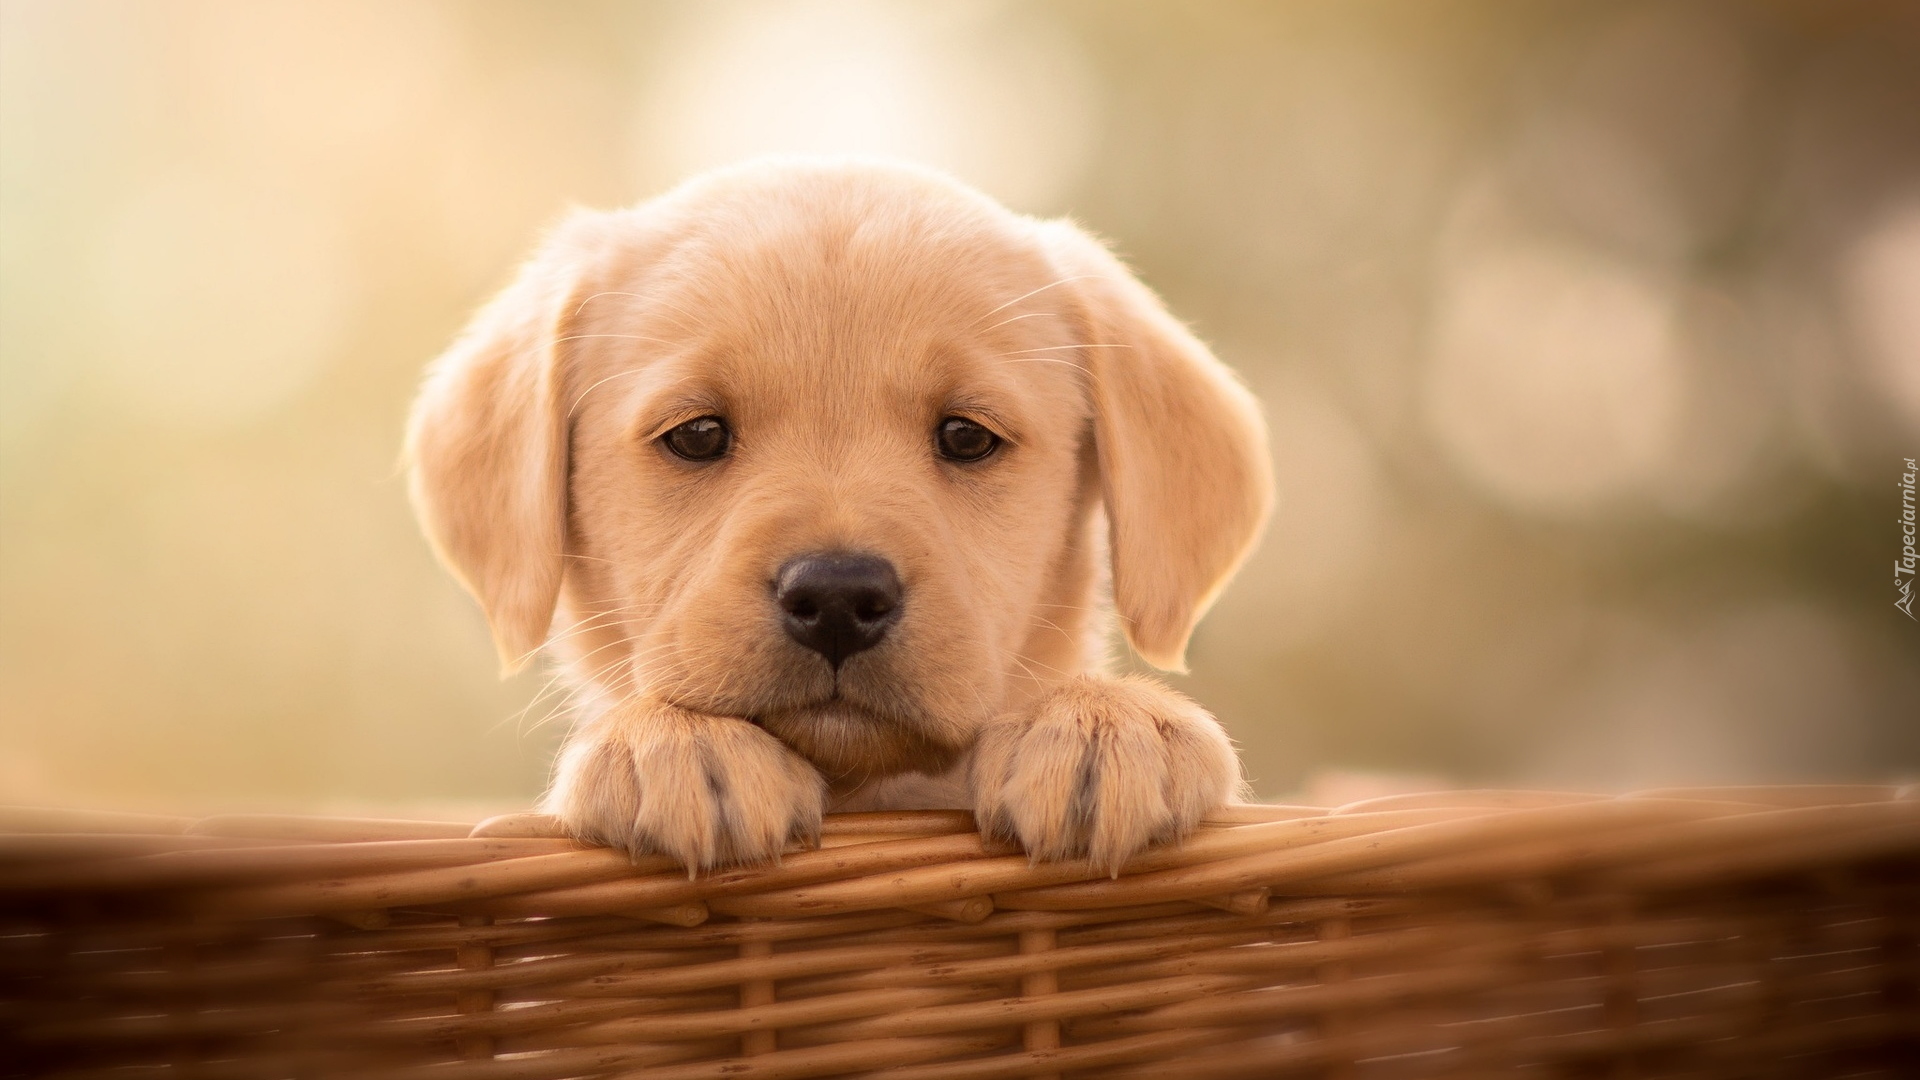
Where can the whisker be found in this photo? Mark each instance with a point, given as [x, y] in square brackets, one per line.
[555, 688]
[562, 672]
[1017, 318]
[1051, 625]
[606, 292]
[1039, 360]
[1026, 671]
[575, 407]
[615, 599]
[581, 627]
[1060, 348]
[555, 638]
[623, 337]
[591, 622]
[1024, 295]
[565, 670]
[1050, 667]
[659, 307]
[598, 621]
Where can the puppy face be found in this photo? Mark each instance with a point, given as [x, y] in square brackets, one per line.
[682, 414]
[820, 352]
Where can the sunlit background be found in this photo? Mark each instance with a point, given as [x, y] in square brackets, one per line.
[1589, 334]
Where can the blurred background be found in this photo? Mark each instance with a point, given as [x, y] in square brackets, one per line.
[1589, 333]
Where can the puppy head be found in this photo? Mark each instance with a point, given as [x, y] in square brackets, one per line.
[795, 392]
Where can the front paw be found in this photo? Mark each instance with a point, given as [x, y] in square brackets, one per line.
[1099, 769]
[706, 790]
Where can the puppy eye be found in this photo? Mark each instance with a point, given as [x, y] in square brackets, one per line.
[960, 439]
[699, 440]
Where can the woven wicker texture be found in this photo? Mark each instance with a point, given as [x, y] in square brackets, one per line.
[1706, 933]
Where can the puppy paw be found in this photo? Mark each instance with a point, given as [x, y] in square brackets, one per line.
[705, 790]
[1101, 768]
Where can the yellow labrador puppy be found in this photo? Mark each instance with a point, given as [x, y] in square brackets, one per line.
[810, 475]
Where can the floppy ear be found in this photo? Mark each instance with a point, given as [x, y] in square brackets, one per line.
[487, 446]
[1182, 451]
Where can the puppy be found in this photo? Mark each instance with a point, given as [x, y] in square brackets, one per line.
[810, 474]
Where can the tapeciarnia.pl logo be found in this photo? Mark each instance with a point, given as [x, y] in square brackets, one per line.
[1903, 566]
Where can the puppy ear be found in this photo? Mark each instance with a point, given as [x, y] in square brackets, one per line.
[487, 446]
[1181, 445]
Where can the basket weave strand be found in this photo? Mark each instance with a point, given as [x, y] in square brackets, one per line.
[1696, 933]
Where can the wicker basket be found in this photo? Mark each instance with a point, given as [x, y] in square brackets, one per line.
[1732, 932]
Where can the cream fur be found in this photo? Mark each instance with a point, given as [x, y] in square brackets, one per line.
[834, 312]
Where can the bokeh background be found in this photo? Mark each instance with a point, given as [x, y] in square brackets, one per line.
[1589, 332]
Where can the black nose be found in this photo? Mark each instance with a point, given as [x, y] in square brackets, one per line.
[837, 603]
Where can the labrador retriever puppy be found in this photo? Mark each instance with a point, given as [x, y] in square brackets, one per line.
[816, 477]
